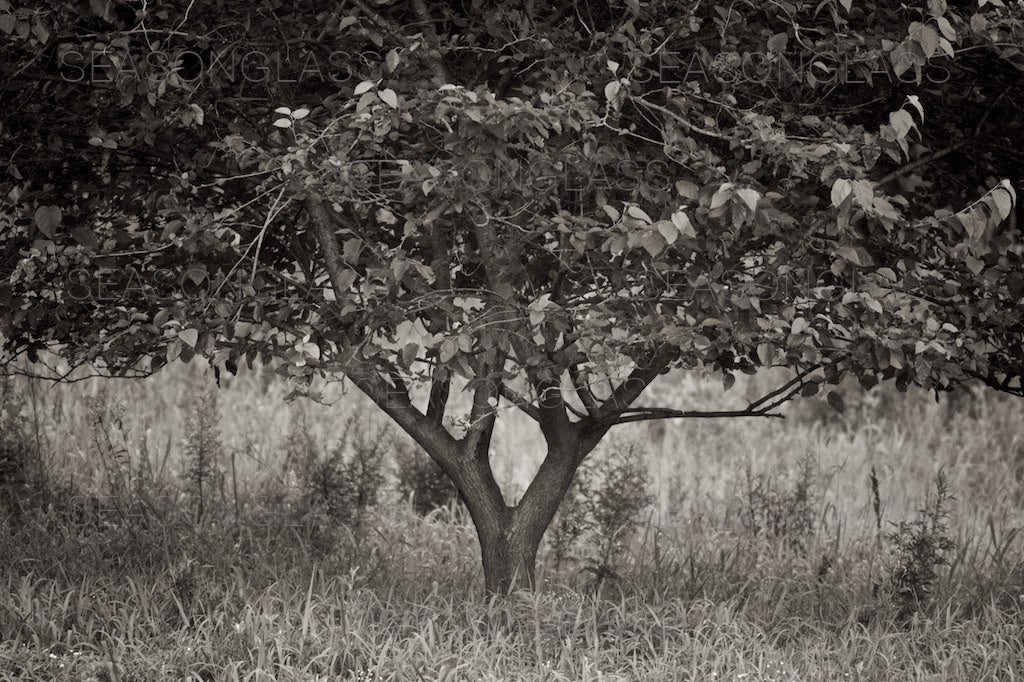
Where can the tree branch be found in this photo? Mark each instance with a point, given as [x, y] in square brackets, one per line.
[762, 407]
[438, 398]
[651, 413]
[583, 389]
[395, 401]
[484, 412]
[923, 161]
[519, 401]
[635, 384]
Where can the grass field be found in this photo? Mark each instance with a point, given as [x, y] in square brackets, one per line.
[150, 534]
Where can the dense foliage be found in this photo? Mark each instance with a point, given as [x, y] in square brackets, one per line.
[552, 202]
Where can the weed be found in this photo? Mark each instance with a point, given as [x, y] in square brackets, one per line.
[342, 483]
[203, 453]
[601, 510]
[17, 446]
[776, 509]
[917, 548]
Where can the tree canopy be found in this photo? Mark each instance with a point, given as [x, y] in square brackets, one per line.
[548, 203]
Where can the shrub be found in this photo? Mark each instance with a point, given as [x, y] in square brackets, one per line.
[342, 483]
[602, 509]
[203, 452]
[16, 444]
[917, 548]
[777, 509]
[421, 479]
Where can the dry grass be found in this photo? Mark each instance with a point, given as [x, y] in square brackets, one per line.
[763, 557]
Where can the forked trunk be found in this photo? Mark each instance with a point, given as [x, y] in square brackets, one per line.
[510, 536]
[509, 558]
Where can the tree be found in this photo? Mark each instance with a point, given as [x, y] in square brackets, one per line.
[543, 206]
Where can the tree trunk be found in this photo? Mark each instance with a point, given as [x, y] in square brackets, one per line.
[509, 557]
[510, 536]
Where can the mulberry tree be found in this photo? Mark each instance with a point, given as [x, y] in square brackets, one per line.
[542, 206]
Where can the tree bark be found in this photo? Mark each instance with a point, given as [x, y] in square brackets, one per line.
[510, 536]
[509, 557]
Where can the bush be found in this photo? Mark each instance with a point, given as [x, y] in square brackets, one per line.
[204, 452]
[917, 549]
[342, 483]
[601, 510]
[776, 509]
[16, 444]
[422, 480]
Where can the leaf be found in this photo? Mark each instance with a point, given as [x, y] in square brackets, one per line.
[668, 230]
[653, 242]
[189, 336]
[901, 122]
[948, 32]
[391, 60]
[284, 111]
[39, 29]
[847, 5]
[85, 236]
[638, 213]
[409, 353]
[389, 97]
[687, 189]
[750, 197]
[101, 8]
[850, 254]
[283, 123]
[612, 212]
[683, 224]
[1003, 198]
[611, 90]
[449, 348]
[721, 196]
[928, 38]
[777, 43]
[915, 102]
[974, 223]
[835, 400]
[47, 219]
[300, 114]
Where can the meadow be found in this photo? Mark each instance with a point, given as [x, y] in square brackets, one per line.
[164, 530]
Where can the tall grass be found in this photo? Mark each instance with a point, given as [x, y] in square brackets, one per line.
[815, 548]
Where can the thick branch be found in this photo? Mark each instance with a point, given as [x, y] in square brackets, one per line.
[635, 384]
[923, 161]
[520, 401]
[394, 400]
[436, 58]
[485, 407]
[583, 389]
[438, 398]
[650, 413]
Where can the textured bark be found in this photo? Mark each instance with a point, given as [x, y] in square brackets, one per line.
[509, 558]
[510, 536]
